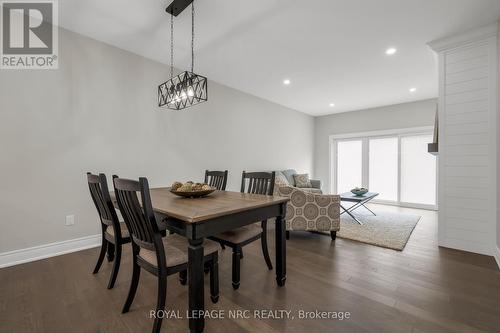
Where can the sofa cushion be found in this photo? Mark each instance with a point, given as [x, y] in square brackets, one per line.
[280, 179]
[289, 176]
[302, 180]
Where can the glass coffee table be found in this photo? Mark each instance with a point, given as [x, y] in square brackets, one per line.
[359, 200]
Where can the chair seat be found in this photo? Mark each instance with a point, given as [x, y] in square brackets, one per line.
[110, 231]
[176, 250]
[242, 234]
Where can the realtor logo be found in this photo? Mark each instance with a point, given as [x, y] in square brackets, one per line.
[29, 34]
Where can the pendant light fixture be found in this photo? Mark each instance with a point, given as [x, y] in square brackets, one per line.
[187, 88]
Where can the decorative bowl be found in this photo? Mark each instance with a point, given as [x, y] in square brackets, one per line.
[193, 194]
[359, 191]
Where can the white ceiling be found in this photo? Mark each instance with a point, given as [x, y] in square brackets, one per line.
[331, 50]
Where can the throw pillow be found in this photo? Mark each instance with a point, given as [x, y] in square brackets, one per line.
[302, 180]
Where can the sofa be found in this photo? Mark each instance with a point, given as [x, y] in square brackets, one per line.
[290, 181]
[311, 211]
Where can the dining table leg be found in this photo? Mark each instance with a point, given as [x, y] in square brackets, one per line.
[280, 251]
[196, 285]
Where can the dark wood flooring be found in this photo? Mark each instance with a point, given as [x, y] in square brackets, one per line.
[421, 289]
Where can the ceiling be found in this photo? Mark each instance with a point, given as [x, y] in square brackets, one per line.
[333, 51]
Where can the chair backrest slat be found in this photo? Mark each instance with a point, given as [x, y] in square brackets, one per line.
[217, 179]
[258, 182]
[98, 186]
[138, 215]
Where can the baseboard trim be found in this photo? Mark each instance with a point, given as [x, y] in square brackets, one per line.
[462, 245]
[22, 256]
[497, 256]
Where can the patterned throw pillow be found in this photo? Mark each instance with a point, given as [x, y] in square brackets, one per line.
[302, 180]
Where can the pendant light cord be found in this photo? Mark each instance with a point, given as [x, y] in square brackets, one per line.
[172, 41]
[192, 37]
[171, 45]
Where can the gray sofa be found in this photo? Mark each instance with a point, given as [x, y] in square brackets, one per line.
[288, 175]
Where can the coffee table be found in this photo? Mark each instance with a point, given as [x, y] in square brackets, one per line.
[359, 200]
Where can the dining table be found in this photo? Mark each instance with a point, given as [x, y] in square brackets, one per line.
[199, 218]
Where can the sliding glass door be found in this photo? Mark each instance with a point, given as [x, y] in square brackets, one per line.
[418, 170]
[396, 166]
[350, 164]
[383, 167]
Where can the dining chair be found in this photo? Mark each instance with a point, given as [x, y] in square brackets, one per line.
[159, 256]
[114, 234]
[217, 179]
[256, 183]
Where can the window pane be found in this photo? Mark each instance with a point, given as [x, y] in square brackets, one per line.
[349, 165]
[418, 170]
[383, 168]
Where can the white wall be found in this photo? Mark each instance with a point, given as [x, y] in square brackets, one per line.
[415, 114]
[468, 140]
[98, 113]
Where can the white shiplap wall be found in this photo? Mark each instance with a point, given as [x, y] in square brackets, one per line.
[467, 140]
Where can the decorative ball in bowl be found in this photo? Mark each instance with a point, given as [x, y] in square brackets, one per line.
[359, 191]
[191, 190]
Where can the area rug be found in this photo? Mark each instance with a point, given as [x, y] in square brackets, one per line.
[389, 230]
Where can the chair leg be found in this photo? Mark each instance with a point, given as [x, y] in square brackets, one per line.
[160, 305]
[236, 267]
[333, 234]
[214, 278]
[116, 265]
[111, 252]
[241, 253]
[223, 246]
[101, 255]
[183, 277]
[287, 234]
[136, 274]
[263, 243]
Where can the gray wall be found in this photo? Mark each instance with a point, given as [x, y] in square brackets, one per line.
[405, 115]
[98, 113]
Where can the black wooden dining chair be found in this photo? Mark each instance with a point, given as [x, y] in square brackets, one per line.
[217, 179]
[159, 256]
[256, 183]
[114, 233]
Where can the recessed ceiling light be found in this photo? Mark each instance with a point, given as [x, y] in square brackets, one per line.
[412, 90]
[332, 105]
[286, 82]
[391, 51]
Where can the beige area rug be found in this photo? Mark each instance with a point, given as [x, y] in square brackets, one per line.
[389, 230]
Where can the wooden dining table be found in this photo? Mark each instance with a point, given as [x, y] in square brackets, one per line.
[198, 218]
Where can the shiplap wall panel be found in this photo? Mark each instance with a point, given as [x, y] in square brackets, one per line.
[466, 64]
[466, 147]
[465, 53]
[466, 150]
[474, 182]
[467, 86]
[467, 107]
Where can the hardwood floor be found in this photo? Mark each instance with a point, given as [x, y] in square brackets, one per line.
[421, 289]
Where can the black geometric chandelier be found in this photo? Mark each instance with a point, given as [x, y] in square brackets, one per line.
[186, 89]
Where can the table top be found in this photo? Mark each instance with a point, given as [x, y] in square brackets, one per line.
[349, 196]
[219, 203]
